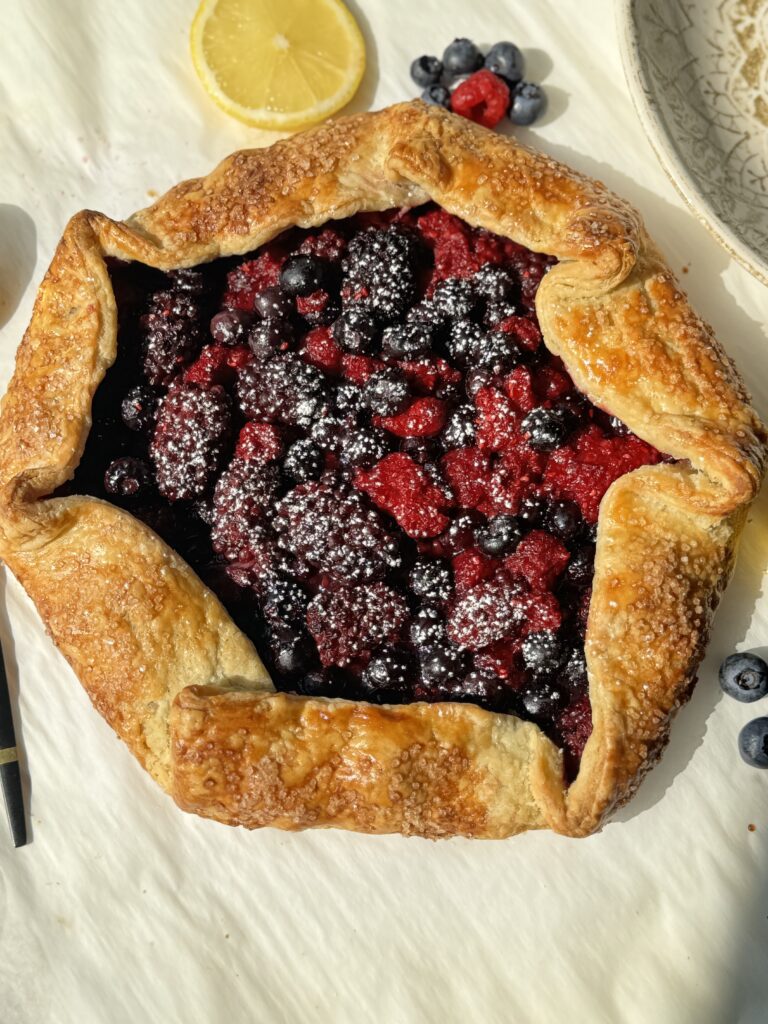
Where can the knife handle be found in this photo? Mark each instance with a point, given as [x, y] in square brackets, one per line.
[10, 779]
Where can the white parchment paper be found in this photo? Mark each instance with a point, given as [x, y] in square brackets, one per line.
[123, 909]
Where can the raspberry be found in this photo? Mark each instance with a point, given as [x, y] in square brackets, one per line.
[540, 558]
[217, 364]
[359, 368]
[552, 381]
[467, 471]
[518, 387]
[483, 98]
[189, 441]
[259, 442]
[318, 308]
[470, 568]
[525, 332]
[405, 491]
[349, 623]
[425, 375]
[327, 244]
[327, 524]
[496, 423]
[321, 350]
[243, 494]
[424, 417]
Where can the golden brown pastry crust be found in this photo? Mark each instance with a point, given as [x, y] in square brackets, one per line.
[158, 654]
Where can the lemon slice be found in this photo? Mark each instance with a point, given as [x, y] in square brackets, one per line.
[278, 64]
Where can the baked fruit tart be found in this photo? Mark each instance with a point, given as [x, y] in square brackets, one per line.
[383, 479]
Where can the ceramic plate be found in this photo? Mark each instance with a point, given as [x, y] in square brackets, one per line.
[698, 72]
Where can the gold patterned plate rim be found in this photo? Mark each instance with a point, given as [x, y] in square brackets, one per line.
[673, 150]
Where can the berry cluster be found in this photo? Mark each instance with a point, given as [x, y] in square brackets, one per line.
[483, 88]
[357, 438]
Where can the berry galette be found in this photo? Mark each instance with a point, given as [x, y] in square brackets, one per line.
[383, 479]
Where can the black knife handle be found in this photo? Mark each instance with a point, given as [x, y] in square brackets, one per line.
[10, 777]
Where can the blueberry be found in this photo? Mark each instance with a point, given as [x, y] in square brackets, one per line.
[292, 652]
[461, 57]
[745, 677]
[581, 567]
[499, 536]
[407, 341]
[301, 275]
[420, 449]
[527, 103]
[228, 328]
[139, 408]
[547, 429]
[505, 59]
[753, 743]
[460, 535]
[563, 519]
[427, 627]
[437, 95]
[431, 580]
[273, 304]
[426, 70]
[483, 687]
[460, 429]
[355, 330]
[128, 478]
[386, 392]
[304, 461]
[314, 684]
[531, 510]
[442, 664]
[269, 336]
[542, 701]
[575, 670]
[388, 673]
[543, 652]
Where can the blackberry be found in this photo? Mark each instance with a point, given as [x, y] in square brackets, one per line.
[495, 312]
[407, 341]
[356, 330]
[292, 652]
[327, 524]
[581, 567]
[427, 627]
[443, 664]
[303, 461]
[494, 284]
[575, 669]
[543, 701]
[449, 391]
[380, 268]
[453, 298]
[386, 392]
[301, 275]
[193, 427]
[547, 429]
[465, 340]
[350, 622]
[563, 519]
[228, 328]
[426, 70]
[139, 408]
[388, 674]
[273, 304]
[241, 499]
[362, 448]
[284, 390]
[326, 431]
[499, 536]
[498, 354]
[172, 335]
[128, 478]
[460, 429]
[431, 580]
[268, 337]
[543, 652]
[349, 399]
[461, 57]
[283, 600]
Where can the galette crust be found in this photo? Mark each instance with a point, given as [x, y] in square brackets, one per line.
[158, 654]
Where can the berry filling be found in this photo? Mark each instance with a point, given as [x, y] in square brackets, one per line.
[357, 439]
